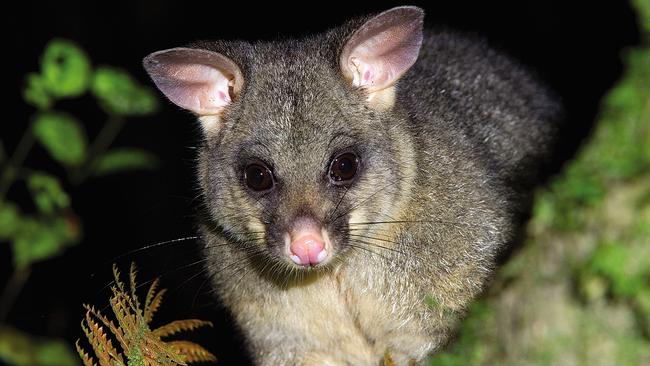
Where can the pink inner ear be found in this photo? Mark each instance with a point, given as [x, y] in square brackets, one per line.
[199, 88]
[383, 49]
[198, 80]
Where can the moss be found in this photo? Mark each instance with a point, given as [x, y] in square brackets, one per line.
[578, 292]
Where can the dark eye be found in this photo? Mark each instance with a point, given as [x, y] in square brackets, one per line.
[258, 177]
[344, 168]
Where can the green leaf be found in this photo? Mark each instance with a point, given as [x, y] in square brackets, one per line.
[63, 137]
[122, 159]
[35, 92]
[40, 239]
[613, 261]
[643, 13]
[21, 349]
[47, 192]
[118, 93]
[65, 69]
[54, 353]
[10, 219]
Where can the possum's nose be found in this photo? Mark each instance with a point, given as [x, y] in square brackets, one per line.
[307, 243]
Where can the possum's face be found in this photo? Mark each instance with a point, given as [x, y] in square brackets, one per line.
[301, 152]
[296, 173]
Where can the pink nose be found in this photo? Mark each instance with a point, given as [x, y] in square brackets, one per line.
[308, 249]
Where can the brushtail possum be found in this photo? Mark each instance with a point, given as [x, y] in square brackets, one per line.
[357, 184]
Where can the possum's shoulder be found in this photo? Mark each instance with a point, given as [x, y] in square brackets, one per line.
[466, 65]
[461, 83]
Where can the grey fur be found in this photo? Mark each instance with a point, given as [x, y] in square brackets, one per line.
[448, 164]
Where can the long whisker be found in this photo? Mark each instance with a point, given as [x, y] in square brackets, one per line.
[358, 204]
[151, 246]
[375, 245]
[337, 205]
[355, 246]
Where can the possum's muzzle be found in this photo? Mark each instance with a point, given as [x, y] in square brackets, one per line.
[307, 243]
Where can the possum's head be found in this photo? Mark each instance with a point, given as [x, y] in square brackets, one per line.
[304, 141]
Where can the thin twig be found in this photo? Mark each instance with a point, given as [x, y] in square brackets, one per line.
[104, 139]
[12, 290]
[3, 152]
[20, 154]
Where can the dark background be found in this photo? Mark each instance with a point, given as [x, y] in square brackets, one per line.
[575, 46]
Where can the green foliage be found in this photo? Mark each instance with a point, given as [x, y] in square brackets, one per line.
[122, 159]
[35, 92]
[40, 231]
[643, 9]
[66, 72]
[37, 239]
[563, 205]
[9, 219]
[119, 94]
[63, 137]
[619, 150]
[47, 193]
[578, 292]
[614, 261]
[20, 349]
[465, 350]
[65, 69]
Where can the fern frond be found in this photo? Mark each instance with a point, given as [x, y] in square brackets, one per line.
[120, 290]
[117, 332]
[148, 361]
[125, 320]
[103, 341]
[94, 338]
[150, 294]
[85, 357]
[116, 277]
[133, 272]
[153, 307]
[180, 326]
[140, 345]
[162, 352]
[192, 352]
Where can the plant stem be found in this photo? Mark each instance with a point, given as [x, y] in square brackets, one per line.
[16, 160]
[12, 290]
[101, 143]
[3, 153]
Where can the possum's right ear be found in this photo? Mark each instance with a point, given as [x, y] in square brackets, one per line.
[201, 81]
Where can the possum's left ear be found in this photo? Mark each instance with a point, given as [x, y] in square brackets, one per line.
[201, 81]
[383, 48]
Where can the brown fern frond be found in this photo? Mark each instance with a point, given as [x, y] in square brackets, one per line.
[151, 293]
[153, 307]
[192, 352]
[85, 357]
[133, 272]
[162, 352]
[94, 338]
[121, 293]
[180, 326]
[139, 344]
[126, 318]
[117, 332]
[148, 361]
[116, 277]
[103, 341]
